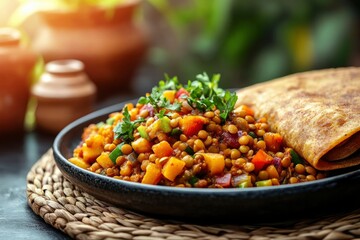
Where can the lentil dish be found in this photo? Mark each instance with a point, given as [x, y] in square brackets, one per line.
[190, 136]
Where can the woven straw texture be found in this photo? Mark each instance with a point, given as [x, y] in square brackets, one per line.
[81, 216]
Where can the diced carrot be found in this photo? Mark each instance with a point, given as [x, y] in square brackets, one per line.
[215, 162]
[152, 174]
[169, 95]
[191, 125]
[261, 159]
[172, 168]
[104, 160]
[162, 149]
[273, 141]
[141, 145]
[79, 162]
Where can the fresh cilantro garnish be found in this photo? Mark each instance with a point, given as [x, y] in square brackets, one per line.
[126, 127]
[225, 104]
[161, 114]
[205, 95]
[156, 97]
[169, 83]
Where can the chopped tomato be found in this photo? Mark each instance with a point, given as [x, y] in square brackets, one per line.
[191, 125]
[181, 92]
[261, 159]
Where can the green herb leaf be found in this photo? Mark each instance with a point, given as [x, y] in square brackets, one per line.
[193, 180]
[126, 127]
[205, 95]
[157, 99]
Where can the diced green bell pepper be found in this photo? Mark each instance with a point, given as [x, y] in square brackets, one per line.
[116, 153]
[295, 158]
[165, 124]
[264, 183]
[142, 131]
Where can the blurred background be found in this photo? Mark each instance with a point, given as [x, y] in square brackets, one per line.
[252, 41]
[245, 41]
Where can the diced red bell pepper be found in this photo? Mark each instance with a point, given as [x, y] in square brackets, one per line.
[261, 159]
[191, 125]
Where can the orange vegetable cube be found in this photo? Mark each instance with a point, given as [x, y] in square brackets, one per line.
[104, 160]
[152, 174]
[141, 145]
[172, 168]
[273, 141]
[153, 129]
[261, 159]
[273, 173]
[169, 95]
[162, 149]
[79, 162]
[245, 108]
[191, 125]
[215, 162]
[133, 113]
[92, 148]
[129, 106]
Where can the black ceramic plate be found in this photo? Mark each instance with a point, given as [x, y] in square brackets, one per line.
[266, 204]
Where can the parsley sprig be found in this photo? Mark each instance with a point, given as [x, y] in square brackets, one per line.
[156, 97]
[205, 95]
[124, 130]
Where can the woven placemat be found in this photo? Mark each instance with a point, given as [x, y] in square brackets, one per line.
[82, 216]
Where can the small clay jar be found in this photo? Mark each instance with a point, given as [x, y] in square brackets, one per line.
[63, 94]
[16, 64]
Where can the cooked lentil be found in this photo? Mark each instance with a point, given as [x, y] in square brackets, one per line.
[177, 141]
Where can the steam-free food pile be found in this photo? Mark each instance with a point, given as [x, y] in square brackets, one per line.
[190, 135]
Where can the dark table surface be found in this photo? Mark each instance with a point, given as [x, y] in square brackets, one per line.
[17, 155]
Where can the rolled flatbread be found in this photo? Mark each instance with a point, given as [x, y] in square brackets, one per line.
[317, 113]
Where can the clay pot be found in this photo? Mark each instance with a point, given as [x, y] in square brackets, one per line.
[63, 94]
[108, 42]
[16, 65]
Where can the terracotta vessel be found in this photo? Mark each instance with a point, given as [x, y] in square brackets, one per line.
[63, 93]
[16, 65]
[109, 43]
